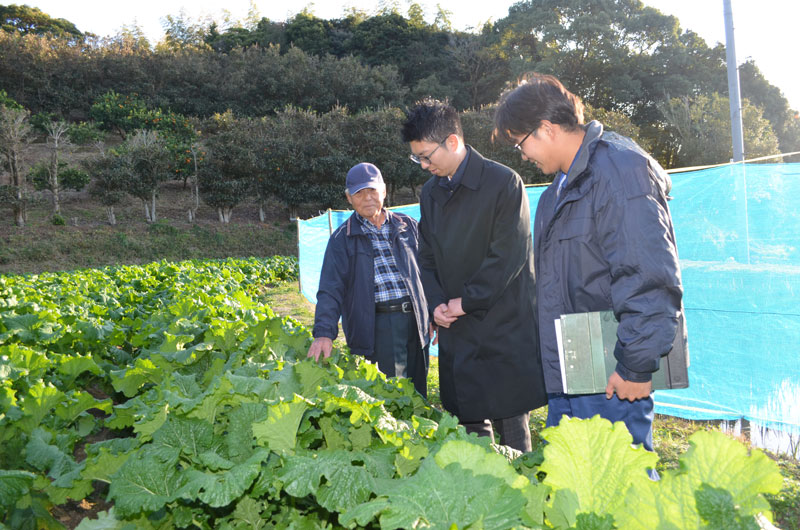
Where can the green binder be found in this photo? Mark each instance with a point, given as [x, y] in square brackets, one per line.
[586, 343]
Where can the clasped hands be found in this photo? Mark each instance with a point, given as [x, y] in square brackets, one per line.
[444, 315]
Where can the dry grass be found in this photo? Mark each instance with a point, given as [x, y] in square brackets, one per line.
[87, 240]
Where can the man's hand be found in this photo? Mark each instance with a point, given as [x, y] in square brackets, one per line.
[629, 390]
[320, 345]
[454, 308]
[433, 333]
[441, 317]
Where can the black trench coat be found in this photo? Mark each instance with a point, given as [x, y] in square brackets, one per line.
[476, 244]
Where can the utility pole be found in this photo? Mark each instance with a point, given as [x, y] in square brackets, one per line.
[733, 85]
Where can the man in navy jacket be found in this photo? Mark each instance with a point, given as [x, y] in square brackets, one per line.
[370, 278]
[603, 240]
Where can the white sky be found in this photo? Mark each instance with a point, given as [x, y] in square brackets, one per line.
[766, 30]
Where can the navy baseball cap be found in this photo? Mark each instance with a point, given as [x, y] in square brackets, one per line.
[364, 175]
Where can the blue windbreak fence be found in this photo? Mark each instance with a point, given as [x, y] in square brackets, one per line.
[738, 233]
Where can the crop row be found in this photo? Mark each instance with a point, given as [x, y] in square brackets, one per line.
[174, 393]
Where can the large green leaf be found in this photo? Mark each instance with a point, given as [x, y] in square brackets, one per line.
[718, 460]
[41, 400]
[30, 328]
[249, 512]
[713, 460]
[8, 397]
[346, 486]
[239, 438]
[144, 483]
[149, 424]
[480, 461]
[716, 507]
[72, 366]
[595, 460]
[181, 435]
[13, 485]
[218, 395]
[441, 498]
[312, 376]
[24, 360]
[285, 381]
[43, 454]
[222, 488]
[77, 402]
[103, 465]
[362, 406]
[335, 433]
[279, 430]
[130, 380]
[254, 385]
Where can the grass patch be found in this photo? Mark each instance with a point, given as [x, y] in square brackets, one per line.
[86, 240]
[58, 248]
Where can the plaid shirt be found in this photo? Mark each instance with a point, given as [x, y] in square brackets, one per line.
[389, 284]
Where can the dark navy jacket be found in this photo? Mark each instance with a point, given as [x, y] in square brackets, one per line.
[347, 282]
[608, 243]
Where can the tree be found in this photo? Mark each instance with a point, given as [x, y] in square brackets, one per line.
[775, 106]
[14, 137]
[702, 128]
[225, 176]
[146, 161]
[263, 34]
[109, 180]
[618, 122]
[480, 68]
[25, 19]
[181, 32]
[308, 33]
[266, 163]
[6, 101]
[442, 20]
[68, 177]
[288, 165]
[195, 154]
[120, 113]
[618, 55]
[57, 140]
[373, 136]
[790, 138]
[478, 125]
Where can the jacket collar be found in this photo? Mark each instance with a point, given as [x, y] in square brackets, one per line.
[594, 135]
[354, 225]
[471, 178]
[593, 131]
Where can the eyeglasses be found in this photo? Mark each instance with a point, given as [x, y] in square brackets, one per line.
[426, 158]
[518, 145]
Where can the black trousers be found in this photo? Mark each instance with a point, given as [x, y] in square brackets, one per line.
[398, 351]
[514, 432]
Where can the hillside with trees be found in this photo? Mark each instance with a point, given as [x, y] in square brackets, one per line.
[260, 110]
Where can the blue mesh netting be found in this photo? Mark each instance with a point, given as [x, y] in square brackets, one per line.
[738, 233]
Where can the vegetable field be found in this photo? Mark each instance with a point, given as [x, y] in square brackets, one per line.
[173, 394]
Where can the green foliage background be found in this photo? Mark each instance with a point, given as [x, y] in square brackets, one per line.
[263, 109]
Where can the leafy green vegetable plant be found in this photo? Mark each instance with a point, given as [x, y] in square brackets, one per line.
[207, 414]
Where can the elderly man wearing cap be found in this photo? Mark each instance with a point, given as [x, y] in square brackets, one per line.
[370, 278]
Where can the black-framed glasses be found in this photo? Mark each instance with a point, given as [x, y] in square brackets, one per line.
[426, 158]
[518, 145]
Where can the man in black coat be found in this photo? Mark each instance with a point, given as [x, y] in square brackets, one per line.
[476, 262]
